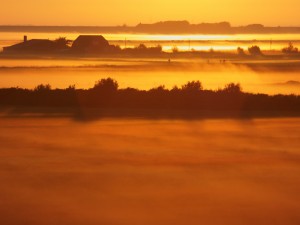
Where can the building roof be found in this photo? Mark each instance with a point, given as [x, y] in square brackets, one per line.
[34, 45]
[83, 44]
[90, 43]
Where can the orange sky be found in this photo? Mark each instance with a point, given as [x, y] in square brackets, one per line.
[116, 12]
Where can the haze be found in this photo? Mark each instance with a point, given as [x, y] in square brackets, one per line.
[117, 12]
[57, 171]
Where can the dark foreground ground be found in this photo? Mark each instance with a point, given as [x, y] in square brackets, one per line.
[94, 114]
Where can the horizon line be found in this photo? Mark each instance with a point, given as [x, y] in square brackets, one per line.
[146, 23]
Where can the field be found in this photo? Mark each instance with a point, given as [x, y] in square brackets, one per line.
[141, 171]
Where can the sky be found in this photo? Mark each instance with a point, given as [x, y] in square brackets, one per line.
[132, 12]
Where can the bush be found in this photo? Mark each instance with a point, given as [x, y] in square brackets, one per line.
[106, 85]
[192, 86]
[233, 88]
[240, 51]
[62, 42]
[290, 49]
[254, 50]
[175, 49]
[43, 87]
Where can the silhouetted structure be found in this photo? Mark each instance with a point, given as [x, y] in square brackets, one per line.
[84, 44]
[38, 46]
[32, 46]
[90, 43]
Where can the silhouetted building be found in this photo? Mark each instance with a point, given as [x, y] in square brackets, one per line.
[90, 44]
[87, 44]
[32, 46]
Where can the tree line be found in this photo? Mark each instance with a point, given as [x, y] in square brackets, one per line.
[190, 96]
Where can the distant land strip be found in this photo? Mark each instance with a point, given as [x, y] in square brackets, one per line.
[164, 27]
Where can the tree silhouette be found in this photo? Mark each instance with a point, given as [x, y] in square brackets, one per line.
[240, 51]
[290, 49]
[192, 86]
[159, 89]
[159, 48]
[142, 47]
[62, 42]
[190, 96]
[71, 88]
[233, 88]
[255, 50]
[175, 49]
[42, 88]
[106, 85]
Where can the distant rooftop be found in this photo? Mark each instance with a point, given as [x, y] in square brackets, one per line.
[90, 43]
[34, 45]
